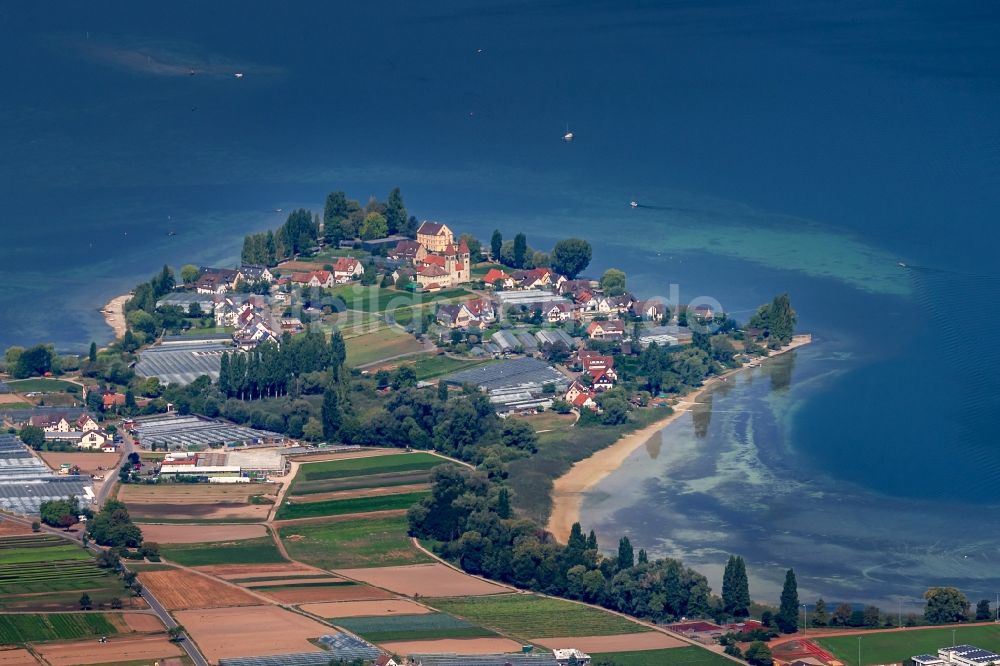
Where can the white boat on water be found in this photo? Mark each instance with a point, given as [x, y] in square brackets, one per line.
[634, 204]
[238, 75]
[568, 136]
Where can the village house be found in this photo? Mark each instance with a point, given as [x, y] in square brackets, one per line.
[315, 279]
[592, 361]
[536, 278]
[496, 278]
[606, 330]
[601, 380]
[615, 304]
[559, 312]
[653, 310]
[215, 280]
[347, 268]
[51, 422]
[407, 251]
[580, 396]
[86, 423]
[478, 313]
[91, 439]
[586, 300]
[111, 400]
[254, 273]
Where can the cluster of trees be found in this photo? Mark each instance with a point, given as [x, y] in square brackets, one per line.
[62, 513]
[469, 513]
[113, 527]
[344, 218]
[666, 370]
[299, 233]
[777, 320]
[569, 257]
[270, 370]
[32, 362]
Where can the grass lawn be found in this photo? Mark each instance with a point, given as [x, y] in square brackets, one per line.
[411, 627]
[347, 506]
[382, 344]
[480, 270]
[376, 299]
[42, 384]
[18, 629]
[249, 551]
[531, 478]
[372, 542]
[429, 367]
[896, 647]
[528, 616]
[685, 655]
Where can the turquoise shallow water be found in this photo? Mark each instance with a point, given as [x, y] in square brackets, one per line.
[807, 148]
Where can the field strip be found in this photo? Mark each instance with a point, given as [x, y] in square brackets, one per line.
[362, 492]
[388, 513]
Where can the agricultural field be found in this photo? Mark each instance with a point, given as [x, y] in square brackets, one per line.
[370, 542]
[334, 591]
[426, 580]
[431, 367]
[132, 650]
[681, 656]
[364, 472]
[197, 502]
[42, 385]
[248, 551]
[527, 616]
[42, 572]
[339, 507]
[35, 628]
[180, 533]
[178, 589]
[87, 462]
[380, 345]
[253, 631]
[898, 646]
[428, 626]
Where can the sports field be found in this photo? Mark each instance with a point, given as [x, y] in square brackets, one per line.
[370, 542]
[898, 646]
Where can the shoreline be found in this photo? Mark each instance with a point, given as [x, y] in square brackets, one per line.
[114, 314]
[568, 489]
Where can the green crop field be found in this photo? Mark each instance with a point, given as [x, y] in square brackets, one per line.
[898, 646]
[24, 628]
[44, 572]
[387, 480]
[41, 385]
[527, 616]
[395, 462]
[380, 345]
[430, 367]
[411, 627]
[249, 551]
[348, 506]
[694, 656]
[371, 542]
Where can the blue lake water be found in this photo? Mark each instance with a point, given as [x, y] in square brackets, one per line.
[806, 147]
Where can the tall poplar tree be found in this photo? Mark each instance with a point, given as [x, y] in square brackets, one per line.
[736, 588]
[520, 250]
[496, 243]
[626, 556]
[788, 614]
[331, 417]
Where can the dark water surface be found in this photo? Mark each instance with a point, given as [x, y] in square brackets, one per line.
[806, 147]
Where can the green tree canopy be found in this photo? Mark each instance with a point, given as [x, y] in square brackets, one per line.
[613, 282]
[571, 256]
[33, 436]
[374, 226]
[945, 604]
[736, 588]
[520, 250]
[496, 244]
[189, 274]
[788, 614]
[395, 212]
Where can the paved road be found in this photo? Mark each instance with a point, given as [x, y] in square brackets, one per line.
[189, 647]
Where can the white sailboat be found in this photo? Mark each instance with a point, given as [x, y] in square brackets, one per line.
[568, 136]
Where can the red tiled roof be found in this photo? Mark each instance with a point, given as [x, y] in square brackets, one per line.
[430, 228]
[493, 275]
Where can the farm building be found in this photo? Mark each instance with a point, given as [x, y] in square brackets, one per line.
[180, 433]
[182, 361]
[529, 298]
[25, 481]
[170, 472]
[554, 337]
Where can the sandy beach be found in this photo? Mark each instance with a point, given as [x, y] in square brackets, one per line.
[114, 314]
[568, 490]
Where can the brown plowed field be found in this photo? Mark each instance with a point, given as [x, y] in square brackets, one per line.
[179, 589]
[196, 500]
[649, 640]
[200, 533]
[255, 631]
[117, 649]
[18, 657]
[453, 645]
[365, 608]
[87, 462]
[303, 595]
[10, 528]
[427, 580]
[143, 622]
